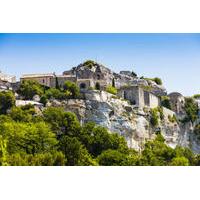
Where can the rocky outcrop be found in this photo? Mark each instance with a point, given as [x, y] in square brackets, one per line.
[132, 123]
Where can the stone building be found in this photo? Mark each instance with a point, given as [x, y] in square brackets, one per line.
[91, 74]
[139, 97]
[177, 102]
[61, 79]
[50, 79]
[7, 78]
[43, 79]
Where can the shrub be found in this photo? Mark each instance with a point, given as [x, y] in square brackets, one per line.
[158, 81]
[28, 89]
[191, 109]
[89, 63]
[172, 119]
[7, 101]
[72, 89]
[154, 120]
[165, 102]
[111, 90]
[179, 161]
[196, 96]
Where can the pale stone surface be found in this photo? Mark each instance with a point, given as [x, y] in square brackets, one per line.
[130, 122]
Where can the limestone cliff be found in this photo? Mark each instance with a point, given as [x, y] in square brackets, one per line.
[131, 122]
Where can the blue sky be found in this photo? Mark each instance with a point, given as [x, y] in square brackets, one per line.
[173, 57]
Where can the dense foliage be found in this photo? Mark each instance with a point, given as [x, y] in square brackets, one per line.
[111, 89]
[7, 100]
[191, 109]
[165, 102]
[55, 137]
[28, 89]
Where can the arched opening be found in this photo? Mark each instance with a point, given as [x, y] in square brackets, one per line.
[82, 86]
[133, 102]
[125, 95]
[97, 86]
[98, 76]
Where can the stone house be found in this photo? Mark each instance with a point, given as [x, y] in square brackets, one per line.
[43, 79]
[94, 76]
[7, 78]
[61, 79]
[138, 96]
[49, 79]
[177, 102]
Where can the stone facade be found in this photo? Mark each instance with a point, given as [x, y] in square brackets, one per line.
[7, 78]
[177, 102]
[43, 79]
[61, 79]
[93, 75]
[151, 100]
[139, 97]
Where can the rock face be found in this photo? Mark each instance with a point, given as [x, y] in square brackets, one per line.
[130, 122]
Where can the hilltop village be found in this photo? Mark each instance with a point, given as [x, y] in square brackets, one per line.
[134, 107]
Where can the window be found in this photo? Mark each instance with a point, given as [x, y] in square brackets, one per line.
[97, 86]
[82, 86]
[98, 77]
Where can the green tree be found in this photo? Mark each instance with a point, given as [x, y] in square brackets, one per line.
[75, 152]
[62, 122]
[165, 102]
[191, 109]
[7, 101]
[57, 94]
[54, 158]
[112, 158]
[157, 153]
[97, 139]
[72, 88]
[28, 89]
[30, 138]
[22, 114]
[179, 161]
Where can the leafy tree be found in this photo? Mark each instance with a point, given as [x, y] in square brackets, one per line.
[30, 138]
[62, 122]
[54, 158]
[179, 161]
[28, 89]
[22, 114]
[3, 152]
[165, 102]
[72, 88]
[75, 152]
[57, 94]
[7, 101]
[97, 139]
[157, 153]
[112, 158]
[44, 100]
[186, 153]
[191, 109]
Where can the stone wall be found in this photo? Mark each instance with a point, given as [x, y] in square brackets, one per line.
[61, 80]
[134, 94]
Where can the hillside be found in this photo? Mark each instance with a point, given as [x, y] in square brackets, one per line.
[50, 122]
